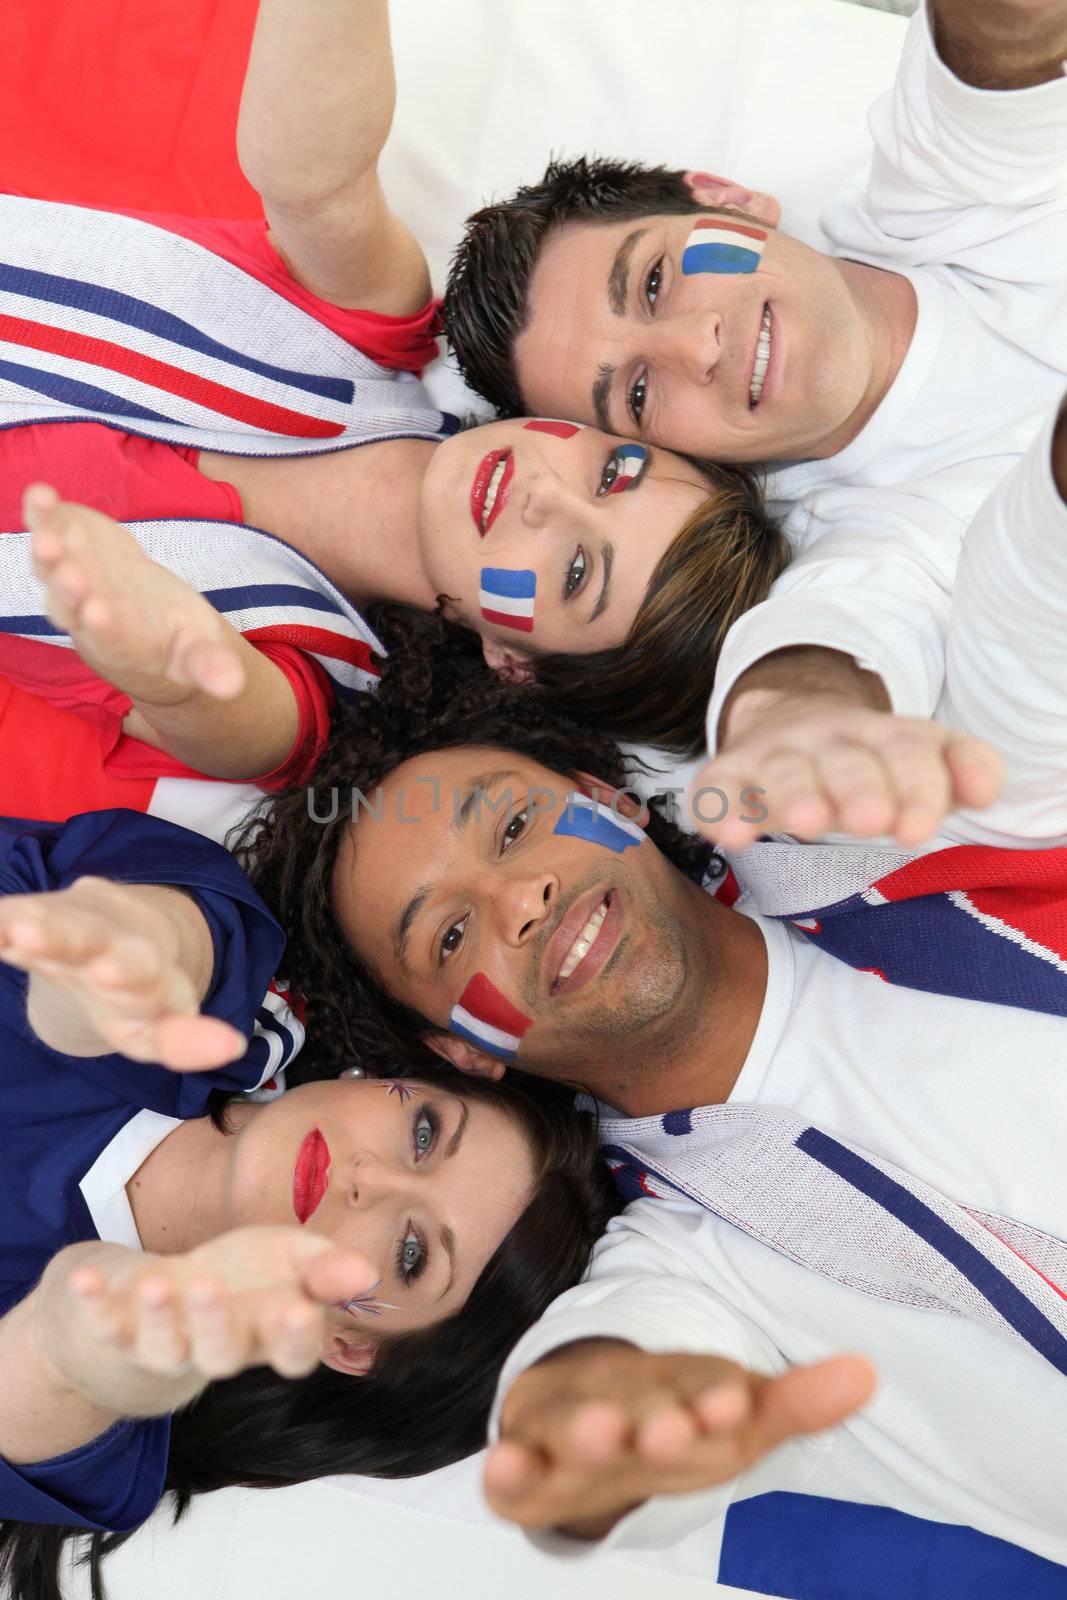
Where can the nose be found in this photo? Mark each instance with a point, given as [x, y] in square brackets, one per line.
[548, 498]
[692, 344]
[522, 904]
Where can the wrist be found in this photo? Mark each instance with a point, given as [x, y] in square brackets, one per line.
[804, 677]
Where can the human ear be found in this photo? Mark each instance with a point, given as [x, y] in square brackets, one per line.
[509, 664]
[465, 1057]
[722, 194]
[620, 800]
[355, 1357]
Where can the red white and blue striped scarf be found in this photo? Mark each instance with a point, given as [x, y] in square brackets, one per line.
[109, 319]
[969, 920]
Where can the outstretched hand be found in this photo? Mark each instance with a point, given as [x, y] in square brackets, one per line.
[109, 969]
[134, 622]
[254, 1297]
[592, 1431]
[808, 765]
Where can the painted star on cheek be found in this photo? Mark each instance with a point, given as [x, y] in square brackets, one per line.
[402, 1090]
[366, 1302]
[585, 818]
[486, 1019]
[716, 244]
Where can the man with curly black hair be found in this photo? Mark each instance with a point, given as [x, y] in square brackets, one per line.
[812, 1148]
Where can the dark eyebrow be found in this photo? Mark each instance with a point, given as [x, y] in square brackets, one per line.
[479, 786]
[461, 1128]
[619, 276]
[601, 397]
[607, 557]
[402, 926]
[448, 1239]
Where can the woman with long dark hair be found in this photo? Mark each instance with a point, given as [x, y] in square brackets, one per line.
[202, 1288]
[243, 399]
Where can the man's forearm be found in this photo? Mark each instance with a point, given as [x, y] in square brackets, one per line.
[318, 98]
[1002, 44]
[803, 671]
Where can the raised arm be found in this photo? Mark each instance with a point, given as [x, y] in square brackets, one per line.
[317, 107]
[598, 1427]
[1002, 44]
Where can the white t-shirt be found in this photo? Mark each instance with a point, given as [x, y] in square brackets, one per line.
[967, 197]
[967, 1428]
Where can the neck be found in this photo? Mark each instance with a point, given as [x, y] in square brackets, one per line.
[888, 308]
[178, 1195]
[353, 512]
[708, 1036]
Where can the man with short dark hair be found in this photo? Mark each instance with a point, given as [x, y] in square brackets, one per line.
[863, 1150]
[890, 384]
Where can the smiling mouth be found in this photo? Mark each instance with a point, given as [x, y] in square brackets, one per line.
[763, 358]
[584, 942]
[489, 491]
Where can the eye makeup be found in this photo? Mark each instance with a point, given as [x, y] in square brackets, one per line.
[718, 244]
[486, 1019]
[585, 818]
[506, 597]
[552, 425]
[629, 460]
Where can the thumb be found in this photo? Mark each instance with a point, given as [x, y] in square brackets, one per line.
[977, 771]
[809, 1399]
[327, 1273]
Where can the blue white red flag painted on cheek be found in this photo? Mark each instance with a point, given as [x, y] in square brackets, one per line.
[485, 1018]
[629, 459]
[507, 598]
[585, 818]
[716, 244]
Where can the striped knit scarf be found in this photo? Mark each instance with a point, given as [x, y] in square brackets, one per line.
[969, 920]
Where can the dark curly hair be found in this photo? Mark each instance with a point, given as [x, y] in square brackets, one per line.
[486, 300]
[430, 697]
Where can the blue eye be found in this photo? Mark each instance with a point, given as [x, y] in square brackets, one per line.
[424, 1131]
[410, 1256]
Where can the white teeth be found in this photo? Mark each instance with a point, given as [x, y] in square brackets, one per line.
[763, 356]
[584, 942]
[490, 493]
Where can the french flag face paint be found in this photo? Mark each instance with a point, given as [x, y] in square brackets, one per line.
[585, 818]
[716, 244]
[507, 598]
[629, 460]
[559, 430]
[484, 1018]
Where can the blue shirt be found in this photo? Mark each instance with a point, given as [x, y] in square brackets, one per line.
[73, 1130]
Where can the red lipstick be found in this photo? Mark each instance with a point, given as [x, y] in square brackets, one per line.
[480, 488]
[310, 1175]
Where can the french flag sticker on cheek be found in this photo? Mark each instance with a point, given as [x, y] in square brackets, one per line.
[554, 426]
[484, 1018]
[585, 818]
[716, 244]
[507, 598]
